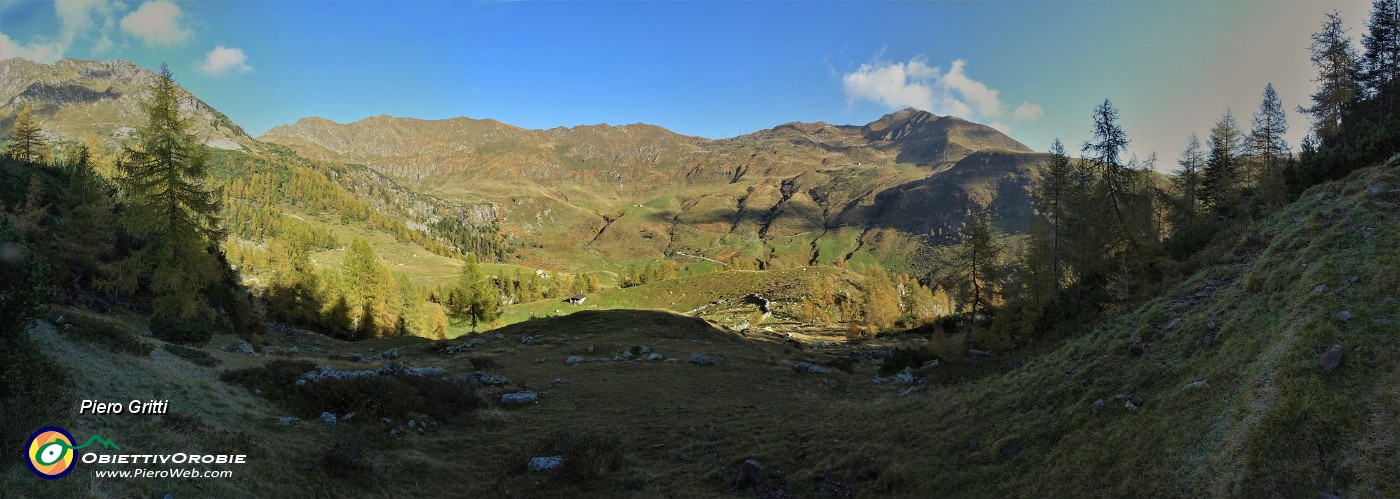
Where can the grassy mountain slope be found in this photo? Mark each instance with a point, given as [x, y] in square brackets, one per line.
[589, 195]
[73, 98]
[1228, 397]
[1268, 420]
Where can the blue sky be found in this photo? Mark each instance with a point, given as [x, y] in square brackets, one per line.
[713, 69]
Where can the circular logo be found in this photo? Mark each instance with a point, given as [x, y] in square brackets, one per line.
[50, 452]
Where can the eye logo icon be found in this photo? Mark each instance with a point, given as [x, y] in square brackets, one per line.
[50, 452]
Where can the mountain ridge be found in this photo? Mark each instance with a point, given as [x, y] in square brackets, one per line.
[73, 98]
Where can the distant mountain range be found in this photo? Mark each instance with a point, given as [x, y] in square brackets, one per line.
[795, 194]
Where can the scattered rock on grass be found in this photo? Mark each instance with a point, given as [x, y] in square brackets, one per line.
[287, 421]
[573, 359]
[1196, 385]
[653, 357]
[1344, 315]
[906, 377]
[750, 474]
[1332, 358]
[517, 398]
[242, 347]
[809, 367]
[328, 417]
[701, 359]
[1098, 406]
[542, 463]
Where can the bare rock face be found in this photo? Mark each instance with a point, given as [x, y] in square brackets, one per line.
[1332, 358]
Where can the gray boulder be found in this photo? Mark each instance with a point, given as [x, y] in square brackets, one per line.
[701, 359]
[905, 377]
[1332, 358]
[542, 463]
[287, 421]
[573, 359]
[653, 357]
[242, 347]
[518, 398]
[810, 368]
[1196, 385]
[328, 417]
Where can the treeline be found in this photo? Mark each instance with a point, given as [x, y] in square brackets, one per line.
[1110, 232]
[648, 273]
[521, 286]
[884, 300]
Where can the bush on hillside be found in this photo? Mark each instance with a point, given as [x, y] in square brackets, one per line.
[180, 331]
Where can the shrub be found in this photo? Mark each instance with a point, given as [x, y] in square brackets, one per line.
[396, 396]
[587, 456]
[347, 459]
[106, 333]
[845, 364]
[180, 331]
[195, 356]
[33, 390]
[903, 357]
[275, 379]
[484, 363]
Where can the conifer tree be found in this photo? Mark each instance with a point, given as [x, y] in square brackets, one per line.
[1267, 148]
[169, 208]
[1220, 181]
[1051, 197]
[26, 142]
[978, 260]
[1188, 178]
[1337, 75]
[471, 299]
[1380, 61]
[370, 287]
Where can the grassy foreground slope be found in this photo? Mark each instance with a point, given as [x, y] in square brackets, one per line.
[1249, 412]
[1233, 398]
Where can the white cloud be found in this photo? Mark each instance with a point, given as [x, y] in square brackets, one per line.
[156, 22]
[1028, 112]
[896, 85]
[223, 60]
[80, 18]
[918, 85]
[983, 98]
[46, 53]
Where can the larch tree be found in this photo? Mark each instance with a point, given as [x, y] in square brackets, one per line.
[1335, 59]
[1267, 148]
[472, 298]
[27, 142]
[168, 207]
[978, 260]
